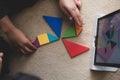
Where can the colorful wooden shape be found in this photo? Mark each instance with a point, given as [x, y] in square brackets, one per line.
[51, 37]
[73, 48]
[43, 39]
[70, 32]
[55, 23]
[36, 43]
[78, 29]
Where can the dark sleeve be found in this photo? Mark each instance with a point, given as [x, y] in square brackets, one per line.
[3, 9]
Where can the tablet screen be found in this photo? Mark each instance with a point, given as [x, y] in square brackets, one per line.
[107, 42]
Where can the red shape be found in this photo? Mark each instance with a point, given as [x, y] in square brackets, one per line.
[73, 48]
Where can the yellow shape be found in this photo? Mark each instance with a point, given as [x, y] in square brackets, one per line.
[43, 39]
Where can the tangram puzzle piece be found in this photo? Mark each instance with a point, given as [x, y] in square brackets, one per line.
[105, 53]
[51, 37]
[43, 39]
[78, 29]
[73, 48]
[36, 43]
[55, 23]
[70, 32]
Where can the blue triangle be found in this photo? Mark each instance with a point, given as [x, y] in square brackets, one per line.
[51, 37]
[55, 23]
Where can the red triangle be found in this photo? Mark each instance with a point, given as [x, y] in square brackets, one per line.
[73, 48]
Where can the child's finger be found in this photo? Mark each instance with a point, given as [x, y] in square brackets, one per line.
[0, 60]
[1, 54]
[0, 64]
[76, 15]
[79, 17]
[78, 3]
[67, 12]
[31, 46]
[22, 51]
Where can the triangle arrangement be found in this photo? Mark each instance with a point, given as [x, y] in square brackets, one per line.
[43, 39]
[73, 48]
[55, 23]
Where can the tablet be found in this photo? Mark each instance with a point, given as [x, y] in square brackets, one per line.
[107, 40]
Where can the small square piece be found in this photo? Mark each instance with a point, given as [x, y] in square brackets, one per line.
[43, 39]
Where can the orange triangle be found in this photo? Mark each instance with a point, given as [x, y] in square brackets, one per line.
[78, 29]
[73, 48]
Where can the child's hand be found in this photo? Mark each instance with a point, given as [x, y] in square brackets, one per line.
[16, 36]
[1, 55]
[71, 8]
[21, 41]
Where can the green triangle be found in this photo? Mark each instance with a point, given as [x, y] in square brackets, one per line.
[70, 32]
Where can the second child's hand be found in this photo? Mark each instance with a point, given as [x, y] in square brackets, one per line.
[72, 9]
[16, 36]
